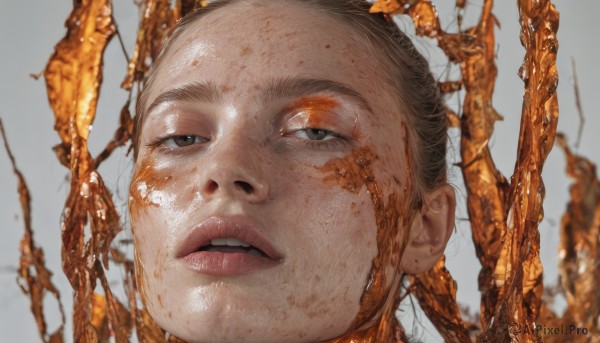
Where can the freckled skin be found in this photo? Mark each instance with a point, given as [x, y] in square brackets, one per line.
[325, 228]
[246, 51]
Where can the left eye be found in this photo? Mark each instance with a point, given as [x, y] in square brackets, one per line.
[181, 141]
[315, 134]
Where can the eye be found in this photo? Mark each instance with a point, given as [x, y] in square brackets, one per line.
[181, 141]
[315, 134]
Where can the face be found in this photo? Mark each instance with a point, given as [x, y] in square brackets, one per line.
[247, 225]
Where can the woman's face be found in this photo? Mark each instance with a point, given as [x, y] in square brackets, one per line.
[247, 108]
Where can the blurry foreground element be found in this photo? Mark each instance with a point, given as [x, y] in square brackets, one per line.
[504, 215]
[579, 253]
[34, 277]
[579, 250]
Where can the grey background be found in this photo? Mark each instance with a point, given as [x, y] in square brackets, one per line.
[30, 29]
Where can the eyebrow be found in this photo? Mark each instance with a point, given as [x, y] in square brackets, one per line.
[195, 91]
[294, 87]
[275, 89]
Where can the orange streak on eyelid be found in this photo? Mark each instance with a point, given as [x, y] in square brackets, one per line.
[316, 108]
[315, 103]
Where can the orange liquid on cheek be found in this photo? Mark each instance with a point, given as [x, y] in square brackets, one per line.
[376, 321]
[145, 180]
[140, 278]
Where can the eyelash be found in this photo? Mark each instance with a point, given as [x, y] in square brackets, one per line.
[329, 144]
[159, 143]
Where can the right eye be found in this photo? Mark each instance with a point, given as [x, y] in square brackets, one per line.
[181, 141]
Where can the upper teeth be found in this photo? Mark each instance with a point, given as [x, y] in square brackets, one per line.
[232, 242]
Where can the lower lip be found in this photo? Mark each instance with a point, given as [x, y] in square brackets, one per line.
[227, 264]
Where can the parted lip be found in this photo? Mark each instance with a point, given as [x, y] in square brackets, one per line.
[240, 227]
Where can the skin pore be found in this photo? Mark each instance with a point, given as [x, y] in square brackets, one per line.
[269, 121]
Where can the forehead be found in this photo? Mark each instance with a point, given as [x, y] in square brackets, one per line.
[243, 46]
[272, 20]
[272, 38]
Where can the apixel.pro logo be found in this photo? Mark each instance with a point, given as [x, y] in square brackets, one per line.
[543, 330]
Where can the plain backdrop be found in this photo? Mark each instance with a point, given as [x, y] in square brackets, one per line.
[30, 29]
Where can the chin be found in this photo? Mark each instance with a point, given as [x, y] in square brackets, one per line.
[231, 324]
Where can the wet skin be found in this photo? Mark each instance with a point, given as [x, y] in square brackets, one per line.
[262, 105]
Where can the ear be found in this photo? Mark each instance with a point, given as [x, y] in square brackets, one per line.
[430, 231]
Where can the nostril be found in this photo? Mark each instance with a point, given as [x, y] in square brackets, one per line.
[245, 186]
[211, 187]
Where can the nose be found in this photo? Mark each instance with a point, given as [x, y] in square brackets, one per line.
[236, 171]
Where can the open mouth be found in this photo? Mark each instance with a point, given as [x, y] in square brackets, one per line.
[232, 245]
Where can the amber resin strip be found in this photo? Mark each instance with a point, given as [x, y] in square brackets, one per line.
[486, 186]
[504, 219]
[157, 17]
[436, 289]
[34, 278]
[579, 249]
[73, 77]
[518, 273]
[436, 292]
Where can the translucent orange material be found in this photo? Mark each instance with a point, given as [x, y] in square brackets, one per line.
[579, 250]
[376, 320]
[504, 215]
[34, 278]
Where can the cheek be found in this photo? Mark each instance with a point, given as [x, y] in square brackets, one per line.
[329, 218]
[152, 210]
[348, 245]
[157, 284]
[150, 255]
[335, 243]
